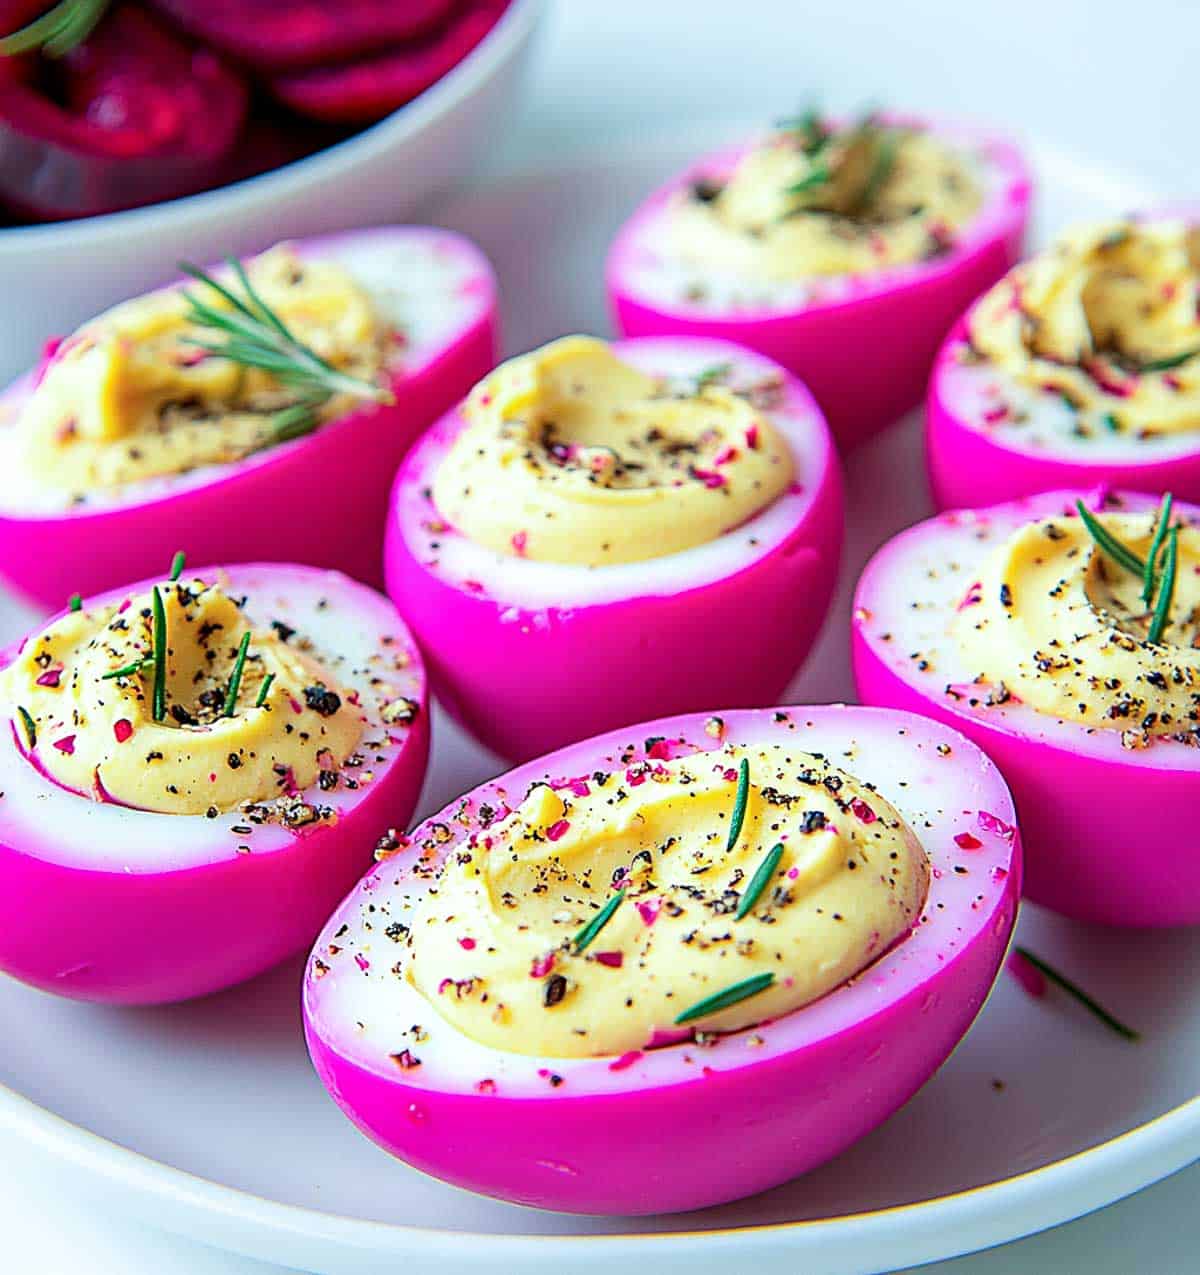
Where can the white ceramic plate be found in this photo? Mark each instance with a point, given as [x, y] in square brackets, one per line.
[207, 1119]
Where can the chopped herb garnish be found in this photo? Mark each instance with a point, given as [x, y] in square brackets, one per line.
[730, 996]
[158, 706]
[759, 881]
[75, 602]
[263, 690]
[30, 728]
[1078, 993]
[820, 176]
[1121, 554]
[1171, 361]
[235, 680]
[128, 670]
[712, 373]
[57, 31]
[597, 923]
[177, 565]
[254, 335]
[739, 804]
[1111, 423]
[1160, 534]
[1166, 590]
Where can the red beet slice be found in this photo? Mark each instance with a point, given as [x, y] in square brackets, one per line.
[292, 35]
[132, 116]
[365, 90]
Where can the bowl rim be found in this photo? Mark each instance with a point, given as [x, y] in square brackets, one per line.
[234, 199]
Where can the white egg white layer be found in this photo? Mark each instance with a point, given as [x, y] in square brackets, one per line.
[358, 998]
[907, 602]
[649, 269]
[1025, 419]
[539, 585]
[429, 285]
[355, 634]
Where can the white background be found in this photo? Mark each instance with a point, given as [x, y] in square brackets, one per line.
[1110, 81]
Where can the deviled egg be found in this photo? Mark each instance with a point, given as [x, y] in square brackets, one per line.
[606, 532]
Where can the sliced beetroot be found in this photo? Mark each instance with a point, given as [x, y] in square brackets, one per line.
[361, 91]
[133, 115]
[292, 35]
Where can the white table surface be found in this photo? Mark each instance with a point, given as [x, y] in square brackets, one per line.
[607, 68]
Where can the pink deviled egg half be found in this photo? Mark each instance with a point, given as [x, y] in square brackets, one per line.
[157, 849]
[842, 250]
[643, 527]
[1013, 625]
[1080, 367]
[720, 950]
[146, 428]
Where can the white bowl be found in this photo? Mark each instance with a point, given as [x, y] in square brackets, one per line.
[52, 277]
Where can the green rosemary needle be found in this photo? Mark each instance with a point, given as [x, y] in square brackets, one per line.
[1166, 589]
[30, 728]
[714, 372]
[128, 670]
[1160, 534]
[1171, 361]
[759, 881]
[261, 698]
[1121, 554]
[597, 923]
[177, 563]
[1072, 989]
[158, 704]
[57, 31]
[820, 176]
[730, 996]
[739, 804]
[75, 602]
[235, 678]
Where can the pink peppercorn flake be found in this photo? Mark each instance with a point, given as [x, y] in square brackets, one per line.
[542, 965]
[965, 841]
[614, 960]
[627, 1059]
[406, 1060]
[66, 744]
[752, 437]
[558, 830]
[467, 944]
[519, 540]
[862, 812]
[296, 706]
[122, 729]
[996, 826]
[486, 1085]
[725, 455]
[51, 677]
[660, 750]
[709, 477]
[125, 606]
[473, 586]
[994, 415]
[648, 910]
[635, 775]
[361, 961]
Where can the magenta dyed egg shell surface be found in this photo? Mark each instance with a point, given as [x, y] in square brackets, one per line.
[1107, 830]
[683, 1125]
[530, 655]
[862, 343]
[321, 499]
[104, 902]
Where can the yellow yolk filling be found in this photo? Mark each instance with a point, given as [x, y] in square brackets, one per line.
[130, 397]
[98, 736]
[572, 456]
[1107, 318]
[495, 944]
[867, 199]
[1064, 629]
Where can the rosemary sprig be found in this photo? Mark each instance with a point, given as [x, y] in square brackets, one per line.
[821, 175]
[1072, 989]
[1166, 590]
[30, 729]
[739, 804]
[75, 602]
[1171, 361]
[254, 335]
[158, 704]
[261, 697]
[128, 670]
[597, 923]
[885, 161]
[1160, 534]
[714, 372]
[57, 31]
[1119, 553]
[235, 678]
[730, 996]
[177, 564]
[759, 881]
[809, 128]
